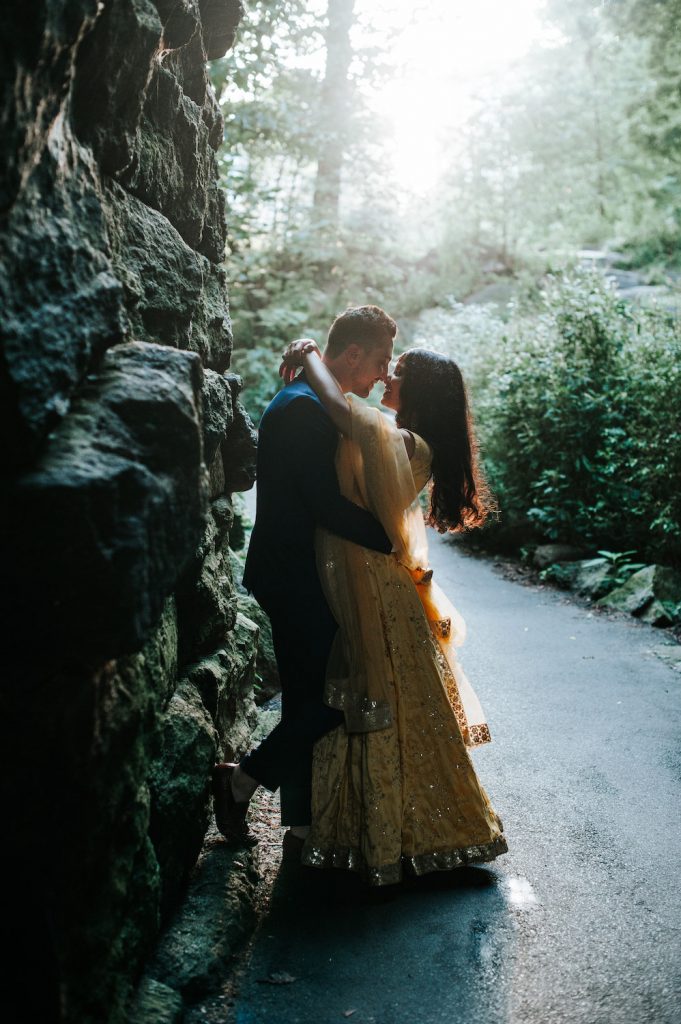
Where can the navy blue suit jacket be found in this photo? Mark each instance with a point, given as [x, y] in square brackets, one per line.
[297, 492]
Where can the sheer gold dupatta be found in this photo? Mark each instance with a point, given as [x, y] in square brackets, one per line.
[374, 471]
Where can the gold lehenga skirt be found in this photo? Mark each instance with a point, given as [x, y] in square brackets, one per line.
[405, 797]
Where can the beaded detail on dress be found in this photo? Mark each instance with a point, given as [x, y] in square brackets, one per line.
[361, 713]
[389, 874]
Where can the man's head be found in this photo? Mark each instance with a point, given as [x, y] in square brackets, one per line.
[359, 348]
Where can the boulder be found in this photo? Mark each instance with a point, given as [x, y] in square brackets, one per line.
[225, 681]
[179, 783]
[173, 161]
[212, 923]
[267, 681]
[181, 21]
[547, 554]
[171, 293]
[112, 296]
[186, 65]
[237, 717]
[216, 477]
[591, 577]
[90, 733]
[206, 601]
[241, 529]
[212, 115]
[237, 561]
[210, 331]
[219, 19]
[222, 511]
[646, 593]
[162, 293]
[61, 304]
[123, 490]
[156, 1003]
[38, 46]
[241, 445]
[217, 412]
[214, 604]
[112, 70]
[161, 655]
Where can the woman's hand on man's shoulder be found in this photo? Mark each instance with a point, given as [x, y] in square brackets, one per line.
[294, 355]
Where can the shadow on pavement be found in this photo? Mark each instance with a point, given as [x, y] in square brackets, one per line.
[423, 951]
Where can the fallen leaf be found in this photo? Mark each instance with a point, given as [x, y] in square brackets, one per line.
[277, 978]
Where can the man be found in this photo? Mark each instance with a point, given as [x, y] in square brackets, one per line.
[297, 492]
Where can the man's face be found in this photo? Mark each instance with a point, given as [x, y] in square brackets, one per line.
[369, 367]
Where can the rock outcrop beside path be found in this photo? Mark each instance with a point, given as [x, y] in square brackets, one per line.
[127, 665]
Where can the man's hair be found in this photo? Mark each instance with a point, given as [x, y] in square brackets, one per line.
[366, 326]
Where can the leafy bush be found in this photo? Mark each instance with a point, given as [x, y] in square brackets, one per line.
[558, 574]
[620, 566]
[580, 416]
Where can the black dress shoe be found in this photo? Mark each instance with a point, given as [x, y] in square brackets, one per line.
[230, 814]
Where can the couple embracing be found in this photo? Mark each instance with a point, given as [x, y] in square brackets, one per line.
[371, 754]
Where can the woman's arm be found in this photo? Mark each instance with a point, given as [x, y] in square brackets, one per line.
[328, 391]
[321, 380]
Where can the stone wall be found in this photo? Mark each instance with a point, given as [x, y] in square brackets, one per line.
[127, 666]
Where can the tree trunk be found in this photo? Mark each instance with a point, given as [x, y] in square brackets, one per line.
[334, 112]
[599, 159]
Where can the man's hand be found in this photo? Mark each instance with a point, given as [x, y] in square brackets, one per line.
[293, 357]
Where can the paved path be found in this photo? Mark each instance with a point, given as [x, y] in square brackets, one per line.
[580, 921]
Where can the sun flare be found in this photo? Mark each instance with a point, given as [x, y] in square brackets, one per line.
[444, 54]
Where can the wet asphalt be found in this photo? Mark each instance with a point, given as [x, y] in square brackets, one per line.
[580, 922]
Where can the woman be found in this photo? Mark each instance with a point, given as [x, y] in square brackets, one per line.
[395, 788]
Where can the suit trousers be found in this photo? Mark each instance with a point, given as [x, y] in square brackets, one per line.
[302, 635]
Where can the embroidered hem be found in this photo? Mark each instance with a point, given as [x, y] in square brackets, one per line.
[350, 859]
[473, 735]
[477, 735]
[361, 714]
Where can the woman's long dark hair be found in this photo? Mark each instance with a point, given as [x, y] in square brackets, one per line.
[433, 403]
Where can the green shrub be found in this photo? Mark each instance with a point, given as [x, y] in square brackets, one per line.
[620, 567]
[579, 413]
[559, 574]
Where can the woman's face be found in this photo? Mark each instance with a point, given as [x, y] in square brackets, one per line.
[391, 395]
